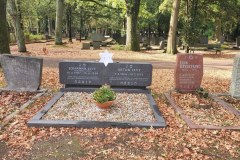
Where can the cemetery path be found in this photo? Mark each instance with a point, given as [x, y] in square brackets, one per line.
[223, 64]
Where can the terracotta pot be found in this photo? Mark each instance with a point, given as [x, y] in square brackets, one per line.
[105, 105]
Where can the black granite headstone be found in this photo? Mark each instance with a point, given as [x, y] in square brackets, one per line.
[129, 74]
[114, 74]
[81, 73]
[22, 73]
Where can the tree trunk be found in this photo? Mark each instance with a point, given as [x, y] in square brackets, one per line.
[59, 21]
[4, 41]
[16, 17]
[132, 42]
[69, 23]
[171, 45]
[218, 29]
[49, 27]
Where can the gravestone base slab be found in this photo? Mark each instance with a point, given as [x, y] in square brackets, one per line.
[14, 90]
[38, 121]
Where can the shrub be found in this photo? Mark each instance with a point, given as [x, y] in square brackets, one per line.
[104, 94]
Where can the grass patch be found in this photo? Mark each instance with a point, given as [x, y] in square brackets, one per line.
[118, 47]
[33, 38]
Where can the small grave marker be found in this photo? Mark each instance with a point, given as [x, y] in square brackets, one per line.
[96, 37]
[203, 40]
[161, 45]
[238, 41]
[22, 73]
[96, 45]
[235, 82]
[85, 45]
[188, 72]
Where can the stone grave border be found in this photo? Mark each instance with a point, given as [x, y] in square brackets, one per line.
[191, 124]
[37, 120]
[9, 117]
[225, 104]
[71, 71]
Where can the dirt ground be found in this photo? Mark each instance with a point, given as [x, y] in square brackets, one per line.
[177, 141]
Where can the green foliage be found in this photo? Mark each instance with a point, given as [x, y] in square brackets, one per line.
[166, 6]
[32, 38]
[202, 93]
[104, 94]
[117, 47]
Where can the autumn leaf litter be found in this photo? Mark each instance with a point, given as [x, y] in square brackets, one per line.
[176, 141]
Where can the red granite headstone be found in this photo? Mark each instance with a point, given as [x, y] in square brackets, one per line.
[188, 72]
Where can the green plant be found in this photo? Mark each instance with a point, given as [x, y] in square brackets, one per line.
[202, 93]
[104, 94]
[31, 37]
[117, 47]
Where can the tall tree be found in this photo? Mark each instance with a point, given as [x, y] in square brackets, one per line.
[4, 41]
[171, 45]
[69, 23]
[59, 22]
[132, 42]
[15, 13]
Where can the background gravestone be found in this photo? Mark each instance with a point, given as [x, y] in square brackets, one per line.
[96, 45]
[203, 40]
[85, 45]
[238, 41]
[161, 44]
[96, 37]
[188, 72]
[22, 73]
[235, 82]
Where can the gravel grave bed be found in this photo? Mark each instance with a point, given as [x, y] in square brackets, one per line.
[133, 107]
[235, 102]
[12, 101]
[205, 111]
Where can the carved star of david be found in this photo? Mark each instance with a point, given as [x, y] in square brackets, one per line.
[106, 58]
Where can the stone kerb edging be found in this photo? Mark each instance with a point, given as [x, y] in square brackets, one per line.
[191, 124]
[88, 76]
[7, 119]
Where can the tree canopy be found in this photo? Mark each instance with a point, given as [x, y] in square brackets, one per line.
[215, 19]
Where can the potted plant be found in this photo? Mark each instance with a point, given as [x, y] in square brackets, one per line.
[104, 96]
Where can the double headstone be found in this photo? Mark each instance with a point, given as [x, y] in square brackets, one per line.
[235, 82]
[22, 73]
[188, 72]
[79, 74]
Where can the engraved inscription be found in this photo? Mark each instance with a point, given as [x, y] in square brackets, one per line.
[115, 74]
[188, 72]
[131, 74]
[81, 73]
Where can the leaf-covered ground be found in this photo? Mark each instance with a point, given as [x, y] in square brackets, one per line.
[12, 101]
[177, 141]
